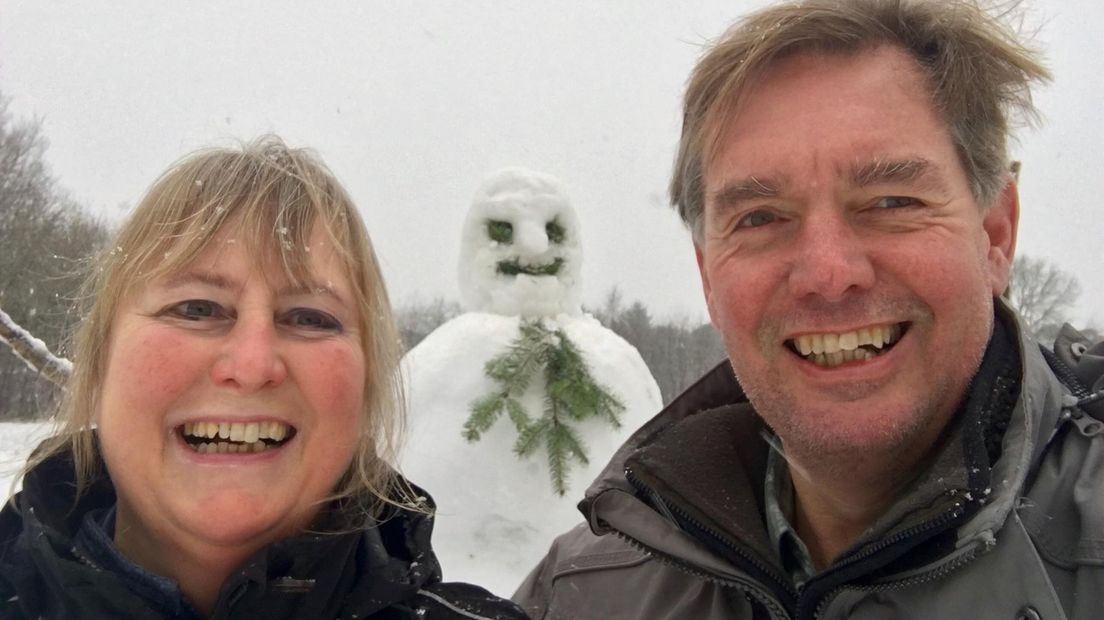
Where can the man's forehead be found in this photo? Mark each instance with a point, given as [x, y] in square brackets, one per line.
[767, 182]
[794, 65]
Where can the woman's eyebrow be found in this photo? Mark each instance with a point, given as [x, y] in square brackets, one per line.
[312, 288]
[202, 277]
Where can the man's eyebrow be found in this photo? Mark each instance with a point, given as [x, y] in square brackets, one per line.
[740, 191]
[920, 172]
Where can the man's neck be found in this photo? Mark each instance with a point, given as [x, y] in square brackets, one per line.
[835, 502]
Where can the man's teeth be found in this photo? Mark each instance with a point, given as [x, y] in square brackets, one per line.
[834, 349]
[236, 437]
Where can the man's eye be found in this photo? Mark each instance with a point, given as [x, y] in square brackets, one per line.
[896, 202]
[756, 219]
[197, 310]
[555, 232]
[502, 232]
[307, 318]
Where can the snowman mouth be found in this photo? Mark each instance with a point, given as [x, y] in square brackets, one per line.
[513, 267]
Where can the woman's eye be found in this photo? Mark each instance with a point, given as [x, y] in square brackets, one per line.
[197, 310]
[756, 219]
[896, 202]
[307, 318]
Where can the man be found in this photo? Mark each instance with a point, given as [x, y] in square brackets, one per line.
[884, 442]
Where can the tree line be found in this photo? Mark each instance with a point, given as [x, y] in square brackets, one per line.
[47, 237]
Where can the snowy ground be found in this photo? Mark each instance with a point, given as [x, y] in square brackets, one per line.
[16, 442]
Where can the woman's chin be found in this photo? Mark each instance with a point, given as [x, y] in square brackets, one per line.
[233, 520]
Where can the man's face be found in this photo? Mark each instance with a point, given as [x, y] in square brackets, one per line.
[843, 257]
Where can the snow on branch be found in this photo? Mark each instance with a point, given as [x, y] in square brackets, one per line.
[33, 351]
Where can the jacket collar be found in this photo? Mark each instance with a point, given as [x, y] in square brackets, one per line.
[705, 453]
[368, 568]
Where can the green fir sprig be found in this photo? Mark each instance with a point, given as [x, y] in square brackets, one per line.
[571, 395]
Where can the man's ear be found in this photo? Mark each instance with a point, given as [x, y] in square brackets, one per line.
[706, 288]
[1001, 222]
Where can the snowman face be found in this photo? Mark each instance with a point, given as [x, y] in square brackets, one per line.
[520, 252]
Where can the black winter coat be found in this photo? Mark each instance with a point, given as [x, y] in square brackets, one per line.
[387, 572]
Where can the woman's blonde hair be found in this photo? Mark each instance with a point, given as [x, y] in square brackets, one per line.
[274, 197]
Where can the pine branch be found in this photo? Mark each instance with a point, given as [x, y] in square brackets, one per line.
[484, 413]
[562, 443]
[517, 414]
[529, 439]
[571, 394]
[33, 351]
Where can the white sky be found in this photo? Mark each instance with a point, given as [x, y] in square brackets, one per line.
[413, 103]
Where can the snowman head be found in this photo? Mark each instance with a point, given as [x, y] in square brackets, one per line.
[520, 253]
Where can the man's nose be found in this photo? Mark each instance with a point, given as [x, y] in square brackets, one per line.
[531, 238]
[830, 258]
[250, 358]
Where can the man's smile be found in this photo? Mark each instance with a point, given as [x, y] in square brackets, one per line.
[832, 349]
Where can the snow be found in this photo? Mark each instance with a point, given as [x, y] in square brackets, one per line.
[16, 442]
[497, 515]
[529, 202]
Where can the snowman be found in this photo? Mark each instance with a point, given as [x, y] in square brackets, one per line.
[516, 405]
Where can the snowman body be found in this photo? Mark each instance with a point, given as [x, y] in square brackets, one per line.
[497, 513]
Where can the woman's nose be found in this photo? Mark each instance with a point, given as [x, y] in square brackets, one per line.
[250, 358]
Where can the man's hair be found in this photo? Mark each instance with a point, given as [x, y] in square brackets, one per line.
[271, 198]
[978, 71]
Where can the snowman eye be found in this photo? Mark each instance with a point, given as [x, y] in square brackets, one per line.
[554, 231]
[502, 232]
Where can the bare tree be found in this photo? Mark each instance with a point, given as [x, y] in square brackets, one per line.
[1043, 293]
[677, 352]
[416, 319]
[46, 239]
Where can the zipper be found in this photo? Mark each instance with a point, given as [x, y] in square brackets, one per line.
[767, 599]
[772, 602]
[932, 575]
[945, 519]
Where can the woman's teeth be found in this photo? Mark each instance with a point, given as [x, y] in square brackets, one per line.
[235, 437]
[831, 350]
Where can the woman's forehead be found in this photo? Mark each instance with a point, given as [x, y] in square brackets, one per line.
[317, 262]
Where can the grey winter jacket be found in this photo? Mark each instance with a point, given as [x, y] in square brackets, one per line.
[1007, 523]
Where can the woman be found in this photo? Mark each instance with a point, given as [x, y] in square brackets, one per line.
[237, 361]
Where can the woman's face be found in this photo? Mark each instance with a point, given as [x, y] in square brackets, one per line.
[230, 402]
